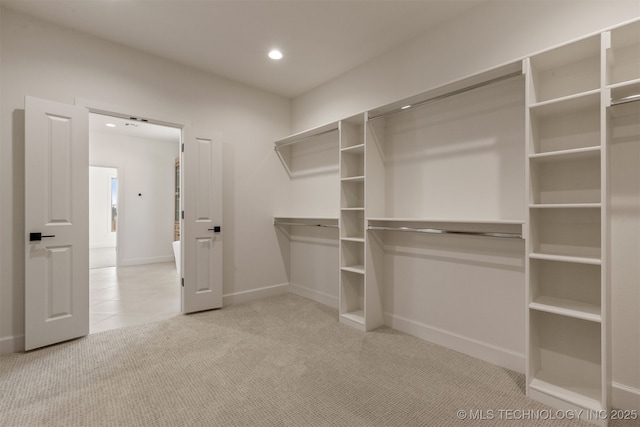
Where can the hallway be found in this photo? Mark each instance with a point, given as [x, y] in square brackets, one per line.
[128, 296]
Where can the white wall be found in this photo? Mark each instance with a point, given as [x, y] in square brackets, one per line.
[146, 167]
[100, 234]
[489, 35]
[48, 61]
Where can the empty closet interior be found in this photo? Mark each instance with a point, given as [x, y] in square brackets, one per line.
[496, 215]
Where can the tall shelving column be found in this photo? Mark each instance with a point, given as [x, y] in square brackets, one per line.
[352, 223]
[566, 249]
[621, 101]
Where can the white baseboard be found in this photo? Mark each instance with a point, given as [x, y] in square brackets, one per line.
[142, 261]
[625, 397]
[253, 294]
[314, 295]
[483, 351]
[10, 344]
[103, 246]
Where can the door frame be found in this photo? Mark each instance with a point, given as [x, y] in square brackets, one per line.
[96, 107]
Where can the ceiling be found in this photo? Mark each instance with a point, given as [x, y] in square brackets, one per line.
[321, 39]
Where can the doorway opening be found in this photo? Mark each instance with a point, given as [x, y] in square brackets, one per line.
[103, 216]
[134, 223]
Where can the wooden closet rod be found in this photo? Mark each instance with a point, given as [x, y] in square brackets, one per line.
[307, 225]
[447, 95]
[440, 231]
[626, 99]
[278, 147]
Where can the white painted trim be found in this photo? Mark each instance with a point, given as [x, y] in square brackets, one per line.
[142, 261]
[313, 295]
[625, 397]
[480, 350]
[102, 246]
[124, 111]
[11, 344]
[254, 294]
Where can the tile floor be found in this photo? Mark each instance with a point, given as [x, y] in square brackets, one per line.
[102, 257]
[128, 296]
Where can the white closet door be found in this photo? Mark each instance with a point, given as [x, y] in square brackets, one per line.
[202, 238]
[56, 222]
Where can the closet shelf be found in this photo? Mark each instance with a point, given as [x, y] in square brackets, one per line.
[565, 258]
[581, 396]
[575, 153]
[358, 178]
[633, 84]
[567, 103]
[352, 209]
[356, 317]
[302, 136]
[566, 205]
[333, 219]
[449, 220]
[358, 269]
[353, 149]
[353, 239]
[565, 307]
[455, 87]
[326, 222]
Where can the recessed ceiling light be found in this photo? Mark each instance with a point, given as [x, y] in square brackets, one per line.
[110, 125]
[275, 54]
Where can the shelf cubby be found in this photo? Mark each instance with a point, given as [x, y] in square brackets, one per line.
[352, 194]
[352, 237]
[352, 224]
[566, 70]
[351, 164]
[572, 123]
[352, 255]
[623, 58]
[352, 298]
[572, 176]
[566, 288]
[566, 232]
[565, 359]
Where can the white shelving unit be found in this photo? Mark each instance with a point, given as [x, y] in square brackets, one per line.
[423, 164]
[567, 251]
[352, 213]
[623, 139]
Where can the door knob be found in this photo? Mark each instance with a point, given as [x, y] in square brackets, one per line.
[36, 237]
[215, 229]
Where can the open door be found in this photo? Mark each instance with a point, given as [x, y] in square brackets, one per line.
[56, 222]
[202, 223]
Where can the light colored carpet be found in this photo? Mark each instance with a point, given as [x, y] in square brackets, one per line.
[280, 361]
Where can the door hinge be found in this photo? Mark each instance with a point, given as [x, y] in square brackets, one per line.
[183, 147]
[183, 282]
[182, 214]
